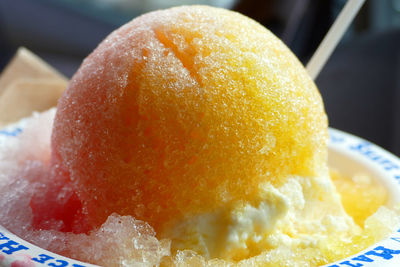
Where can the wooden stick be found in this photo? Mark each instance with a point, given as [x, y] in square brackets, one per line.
[333, 37]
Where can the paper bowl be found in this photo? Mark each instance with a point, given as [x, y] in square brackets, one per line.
[347, 153]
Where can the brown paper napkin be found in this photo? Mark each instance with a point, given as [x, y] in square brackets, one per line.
[28, 84]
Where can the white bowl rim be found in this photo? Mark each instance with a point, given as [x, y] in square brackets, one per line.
[384, 253]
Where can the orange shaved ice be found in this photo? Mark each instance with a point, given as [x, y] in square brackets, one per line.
[190, 137]
[184, 111]
[361, 196]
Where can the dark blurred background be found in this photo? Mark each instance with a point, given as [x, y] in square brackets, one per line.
[360, 83]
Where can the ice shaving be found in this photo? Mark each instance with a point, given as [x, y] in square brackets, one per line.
[189, 136]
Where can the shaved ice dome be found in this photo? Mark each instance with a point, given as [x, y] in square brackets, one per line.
[184, 111]
[190, 137]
